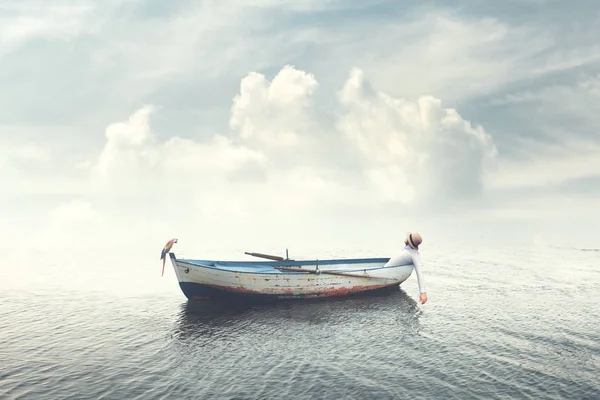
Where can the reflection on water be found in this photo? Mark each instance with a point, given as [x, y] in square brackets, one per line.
[297, 348]
[197, 318]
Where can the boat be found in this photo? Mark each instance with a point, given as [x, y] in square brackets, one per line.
[283, 278]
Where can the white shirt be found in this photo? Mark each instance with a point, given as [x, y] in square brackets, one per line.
[406, 257]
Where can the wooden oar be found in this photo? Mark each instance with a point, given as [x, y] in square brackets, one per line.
[313, 271]
[267, 256]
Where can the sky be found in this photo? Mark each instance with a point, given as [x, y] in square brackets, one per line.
[261, 125]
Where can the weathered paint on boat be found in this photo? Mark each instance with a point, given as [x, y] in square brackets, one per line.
[208, 279]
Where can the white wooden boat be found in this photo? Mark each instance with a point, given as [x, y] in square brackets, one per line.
[281, 278]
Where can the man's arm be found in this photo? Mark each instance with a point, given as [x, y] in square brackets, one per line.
[421, 281]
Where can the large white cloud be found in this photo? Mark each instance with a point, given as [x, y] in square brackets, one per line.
[418, 150]
[396, 151]
[133, 159]
[275, 113]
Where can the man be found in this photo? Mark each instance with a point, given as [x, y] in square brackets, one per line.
[410, 255]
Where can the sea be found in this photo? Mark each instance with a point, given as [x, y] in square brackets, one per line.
[517, 321]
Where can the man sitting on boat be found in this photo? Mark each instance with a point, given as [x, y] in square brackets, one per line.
[410, 254]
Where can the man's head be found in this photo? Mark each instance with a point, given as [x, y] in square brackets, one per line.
[413, 239]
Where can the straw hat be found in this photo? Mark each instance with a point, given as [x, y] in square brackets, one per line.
[413, 239]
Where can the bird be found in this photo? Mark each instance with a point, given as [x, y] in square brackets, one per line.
[164, 252]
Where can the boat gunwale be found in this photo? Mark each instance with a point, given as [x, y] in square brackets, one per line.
[285, 263]
[329, 261]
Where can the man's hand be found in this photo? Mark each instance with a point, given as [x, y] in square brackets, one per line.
[423, 297]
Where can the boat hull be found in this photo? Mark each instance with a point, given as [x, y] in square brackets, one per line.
[205, 279]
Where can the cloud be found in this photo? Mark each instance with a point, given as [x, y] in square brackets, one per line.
[398, 151]
[21, 22]
[591, 85]
[556, 139]
[274, 114]
[583, 90]
[133, 159]
[123, 142]
[419, 151]
[451, 55]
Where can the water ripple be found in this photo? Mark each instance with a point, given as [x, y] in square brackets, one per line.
[499, 324]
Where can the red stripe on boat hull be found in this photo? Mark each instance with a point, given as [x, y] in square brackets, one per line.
[197, 291]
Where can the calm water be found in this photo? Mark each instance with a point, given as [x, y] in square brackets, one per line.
[503, 323]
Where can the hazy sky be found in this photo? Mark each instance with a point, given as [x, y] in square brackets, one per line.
[265, 123]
